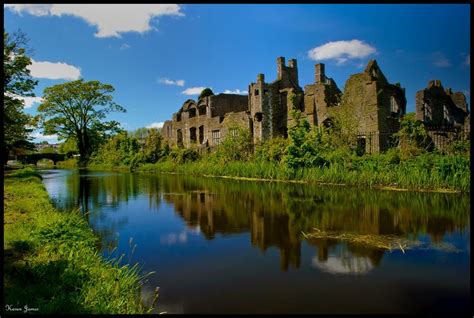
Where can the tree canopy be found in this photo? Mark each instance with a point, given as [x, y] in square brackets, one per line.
[206, 92]
[17, 83]
[78, 110]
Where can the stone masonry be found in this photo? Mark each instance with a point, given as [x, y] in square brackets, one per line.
[374, 104]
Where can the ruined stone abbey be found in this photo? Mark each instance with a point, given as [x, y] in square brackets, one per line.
[375, 104]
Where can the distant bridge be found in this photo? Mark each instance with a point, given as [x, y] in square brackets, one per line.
[35, 157]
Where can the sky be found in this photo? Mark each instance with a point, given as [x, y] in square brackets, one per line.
[157, 56]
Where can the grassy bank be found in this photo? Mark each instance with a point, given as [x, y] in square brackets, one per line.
[51, 258]
[424, 172]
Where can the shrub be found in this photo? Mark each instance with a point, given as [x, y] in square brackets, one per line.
[237, 147]
[180, 155]
[412, 136]
[271, 150]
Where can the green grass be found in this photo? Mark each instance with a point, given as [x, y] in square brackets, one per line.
[424, 172]
[51, 258]
[69, 163]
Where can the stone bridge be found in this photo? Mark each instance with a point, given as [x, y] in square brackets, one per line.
[35, 157]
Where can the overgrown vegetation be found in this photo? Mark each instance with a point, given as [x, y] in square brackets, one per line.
[51, 259]
[309, 154]
[126, 151]
[17, 83]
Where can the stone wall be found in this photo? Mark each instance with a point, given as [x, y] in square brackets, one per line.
[376, 104]
[270, 104]
[436, 106]
[320, 96]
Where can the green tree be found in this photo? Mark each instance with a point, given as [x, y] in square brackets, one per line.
[48, 149]
[17, 82]
[77, 109]
[119, 150]
[236, 146]
[306, 146]
[68, 147]
[206, 92]
[152, 146]
[412, 136]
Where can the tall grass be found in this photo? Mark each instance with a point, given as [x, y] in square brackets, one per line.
[423, 172]
[51, 259]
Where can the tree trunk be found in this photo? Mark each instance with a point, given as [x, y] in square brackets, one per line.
[83, 157]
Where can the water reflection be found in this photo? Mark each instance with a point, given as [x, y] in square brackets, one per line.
[226, 246]
[275, 214]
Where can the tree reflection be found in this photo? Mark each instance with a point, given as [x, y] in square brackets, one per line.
[275, 214]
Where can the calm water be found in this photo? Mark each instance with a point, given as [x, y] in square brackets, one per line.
[226, 246]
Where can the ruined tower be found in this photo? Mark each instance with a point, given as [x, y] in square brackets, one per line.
[270, 103]
[375, 105]
[320, 96]
[436, 106]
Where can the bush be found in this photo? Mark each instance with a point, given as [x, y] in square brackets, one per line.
[412, 136]
[306, 145]
[237, 147]
[118, 150]
[271, 150]
[180, 155]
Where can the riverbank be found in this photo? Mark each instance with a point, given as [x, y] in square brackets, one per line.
[52, 264]
[421, 173]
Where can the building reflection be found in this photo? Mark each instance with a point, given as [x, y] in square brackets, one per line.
[275, 216]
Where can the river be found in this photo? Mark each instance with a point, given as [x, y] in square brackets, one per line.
[229, 246]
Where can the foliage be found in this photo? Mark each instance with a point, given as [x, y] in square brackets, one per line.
[343, 128]
[126, 150]
[237, 146]
[305, 144]
[68, 147]
[183, 155]
[424, 172]
[77, 109]
[206, 92]
[52, 262]
[16, 82]
[460, 147]
[271, 150]
[117, 151]
[412, 136]
[152, 147]
[69, 163]
[49, 149]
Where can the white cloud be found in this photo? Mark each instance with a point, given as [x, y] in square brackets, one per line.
[174, 238]
[440, 60]
[155, 125]
[30, 101]
[342, 51]
[193, 90]
[42, 137]
[236, 91]
[52, 70]
[27, 100]
[124, 46]
[467, 61]
[168, 81]
[110, 20]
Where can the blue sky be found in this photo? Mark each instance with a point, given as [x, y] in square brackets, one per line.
[154, 55]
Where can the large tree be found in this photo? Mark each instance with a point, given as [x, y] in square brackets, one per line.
[78, 110]
[17, 83]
